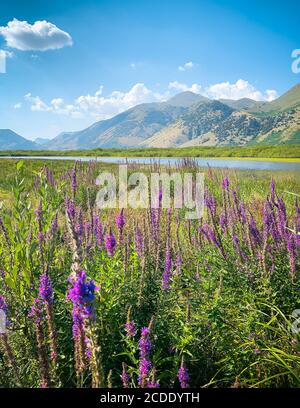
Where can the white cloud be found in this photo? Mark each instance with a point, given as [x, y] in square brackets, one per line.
[101, 107]
[187, 66]
[226, 90]
[40, 36]
[17, 105]
[97, 105]
[239, 89]
[196, 88]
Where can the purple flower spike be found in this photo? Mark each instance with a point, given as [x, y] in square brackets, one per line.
[120, 221]
[3, 305]
[130, 328]
[183, 377]
[225, 183]
[82, 294]
[45, 289]
[110, 243]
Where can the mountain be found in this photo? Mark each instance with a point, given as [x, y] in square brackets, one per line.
[212, 123]
[128, 129]
[244, 103]
[10, 140]
[42, 141]
[286, 102]
[187, 119]
[187, 99]
[239, 122]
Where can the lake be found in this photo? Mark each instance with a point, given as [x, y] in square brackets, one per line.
[221, 163]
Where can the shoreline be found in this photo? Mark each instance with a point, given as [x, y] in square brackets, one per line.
[68, 157]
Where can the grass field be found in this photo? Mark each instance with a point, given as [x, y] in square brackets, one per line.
[145, 298]
[263, 152]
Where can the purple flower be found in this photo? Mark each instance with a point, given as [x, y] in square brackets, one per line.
[70, 207]
[82, 294]
[3, 305]
[125, 376]
[145, 343]
[45, 289]
[290, 244]
[167, 271]
[139, 245]
[36, 311]
[178, 262]
[153, 384]
[98, 231]
[110, 243]
[38, 213]
[120, 221]
[74, 180]
[183, 377]
[144, 371]
[130, 328]
[225, 183]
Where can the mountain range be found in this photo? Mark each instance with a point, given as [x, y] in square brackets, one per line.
[187, 119]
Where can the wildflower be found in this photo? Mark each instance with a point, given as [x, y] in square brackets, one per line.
[130, 328]
[145, 363]
[70, 208]
[120, 221]
[125, 376]
[139, 245]
[3, 305]
[36, 313]
[168, 264]
[183, 376]
[46, 294]
[45, 289]
[225, 183]
[74, 180]
[110, 243]
[82, 293]
[178, 262]
[98, 231]
[290, 244]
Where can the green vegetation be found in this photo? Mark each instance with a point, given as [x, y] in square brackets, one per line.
[216, 294]
[266, 151]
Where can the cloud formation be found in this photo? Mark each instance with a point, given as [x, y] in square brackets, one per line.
[97, 105]
[101, 107]
[39, 36]
[226, 90]
[187, 66]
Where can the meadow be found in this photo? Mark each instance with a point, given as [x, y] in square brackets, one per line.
[286, 152]
[145, 298]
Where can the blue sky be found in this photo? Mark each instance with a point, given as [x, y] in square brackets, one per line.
[89, 60]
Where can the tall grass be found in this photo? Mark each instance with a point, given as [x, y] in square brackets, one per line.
[144, 298]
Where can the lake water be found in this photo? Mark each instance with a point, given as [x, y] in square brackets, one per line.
[222, 163]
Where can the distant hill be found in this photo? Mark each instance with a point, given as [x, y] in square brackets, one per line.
[287, 101]
[41, 141]
[187, 119]
[10, 140]
[187, 99]
[234, 122]
[128, 129]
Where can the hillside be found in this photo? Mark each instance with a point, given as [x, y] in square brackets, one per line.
[10, 140]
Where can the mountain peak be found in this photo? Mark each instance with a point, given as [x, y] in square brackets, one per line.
[186, 99]
[10, 140]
